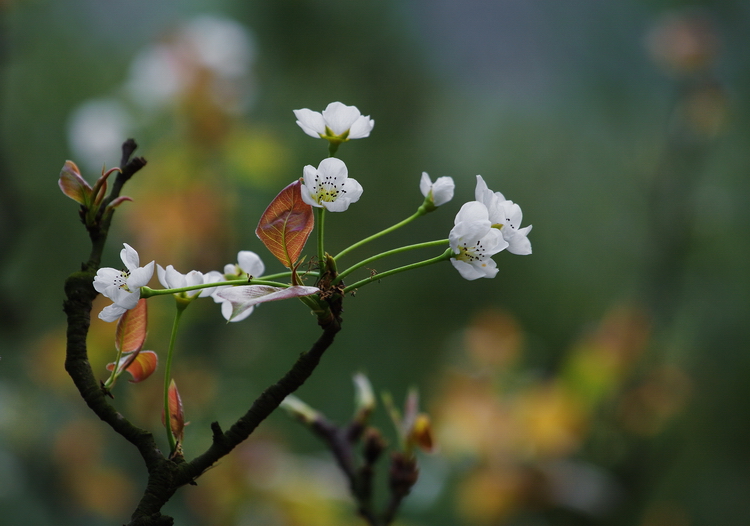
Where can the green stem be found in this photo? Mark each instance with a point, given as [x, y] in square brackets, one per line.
[420, 212]
[288, 274]
[147, 292]
[442, 257]
[168, 375]
[320, 217]
[112, 377]
[388, 253]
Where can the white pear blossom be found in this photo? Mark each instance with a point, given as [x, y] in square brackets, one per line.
[506, 216]
[123, 287]
[248, 264]
[474, 242]
[329, 186]
[338, 121]
[439, 192]
[172, 279]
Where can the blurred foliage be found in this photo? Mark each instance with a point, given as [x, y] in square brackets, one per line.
[601, 380]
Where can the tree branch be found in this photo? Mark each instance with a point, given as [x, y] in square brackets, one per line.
[165, 475]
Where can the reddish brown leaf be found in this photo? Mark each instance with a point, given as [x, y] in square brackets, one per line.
[176, 416]
[132, 328]
[421, 433]
[286, 224]
[73, 185]
[140, 365]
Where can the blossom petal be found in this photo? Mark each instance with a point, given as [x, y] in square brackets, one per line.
[172, 278]
[519, 244]
[111, 313]
[361, 128]
[442, 190]
[311, 122]
[471, 212]
[251, 263]
[340, 117]
[484, 195]
[309, 178]
[425, 184]
[130, 257]
[140, 276]
[105, 277]
[227, 309]
[126, 299]
[350, 193]
[333, 169]
[488, 269]
[193, 278]
[213, 276]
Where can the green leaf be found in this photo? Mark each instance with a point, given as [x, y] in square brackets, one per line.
[286, 224]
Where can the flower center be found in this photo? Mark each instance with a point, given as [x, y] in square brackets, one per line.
[472, 253]
[327, 189]
[121, 280]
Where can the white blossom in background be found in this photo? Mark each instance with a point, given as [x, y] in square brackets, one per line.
[329, 186]
[123, 287]
[160, 76]
[96, 130]
[439, 192]
[220, 44]
[157, 77]
[506, 216]
[338, 121]
[162, 73]
[474, 242]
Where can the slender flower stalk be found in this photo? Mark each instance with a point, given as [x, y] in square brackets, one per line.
[113, 375]
[393, 252]
[181, 305]
[442, 257]
[436, 194]
[147, 292]
[320, 217]
[420, 212]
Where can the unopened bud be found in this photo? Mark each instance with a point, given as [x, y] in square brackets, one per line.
[421, 433]
[365, 398]
[403, 474]
[299, 410]
[374, 445]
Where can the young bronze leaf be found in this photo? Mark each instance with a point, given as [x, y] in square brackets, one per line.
[286, 224]
[140, 365]
[176, 415]
[73, 185]
[132, 327]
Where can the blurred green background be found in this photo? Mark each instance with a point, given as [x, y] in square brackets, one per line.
[601, 380]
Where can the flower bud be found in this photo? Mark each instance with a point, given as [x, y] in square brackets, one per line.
[300, 410]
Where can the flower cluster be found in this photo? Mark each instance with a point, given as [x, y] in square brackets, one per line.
[482, 228]
[123, 287]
